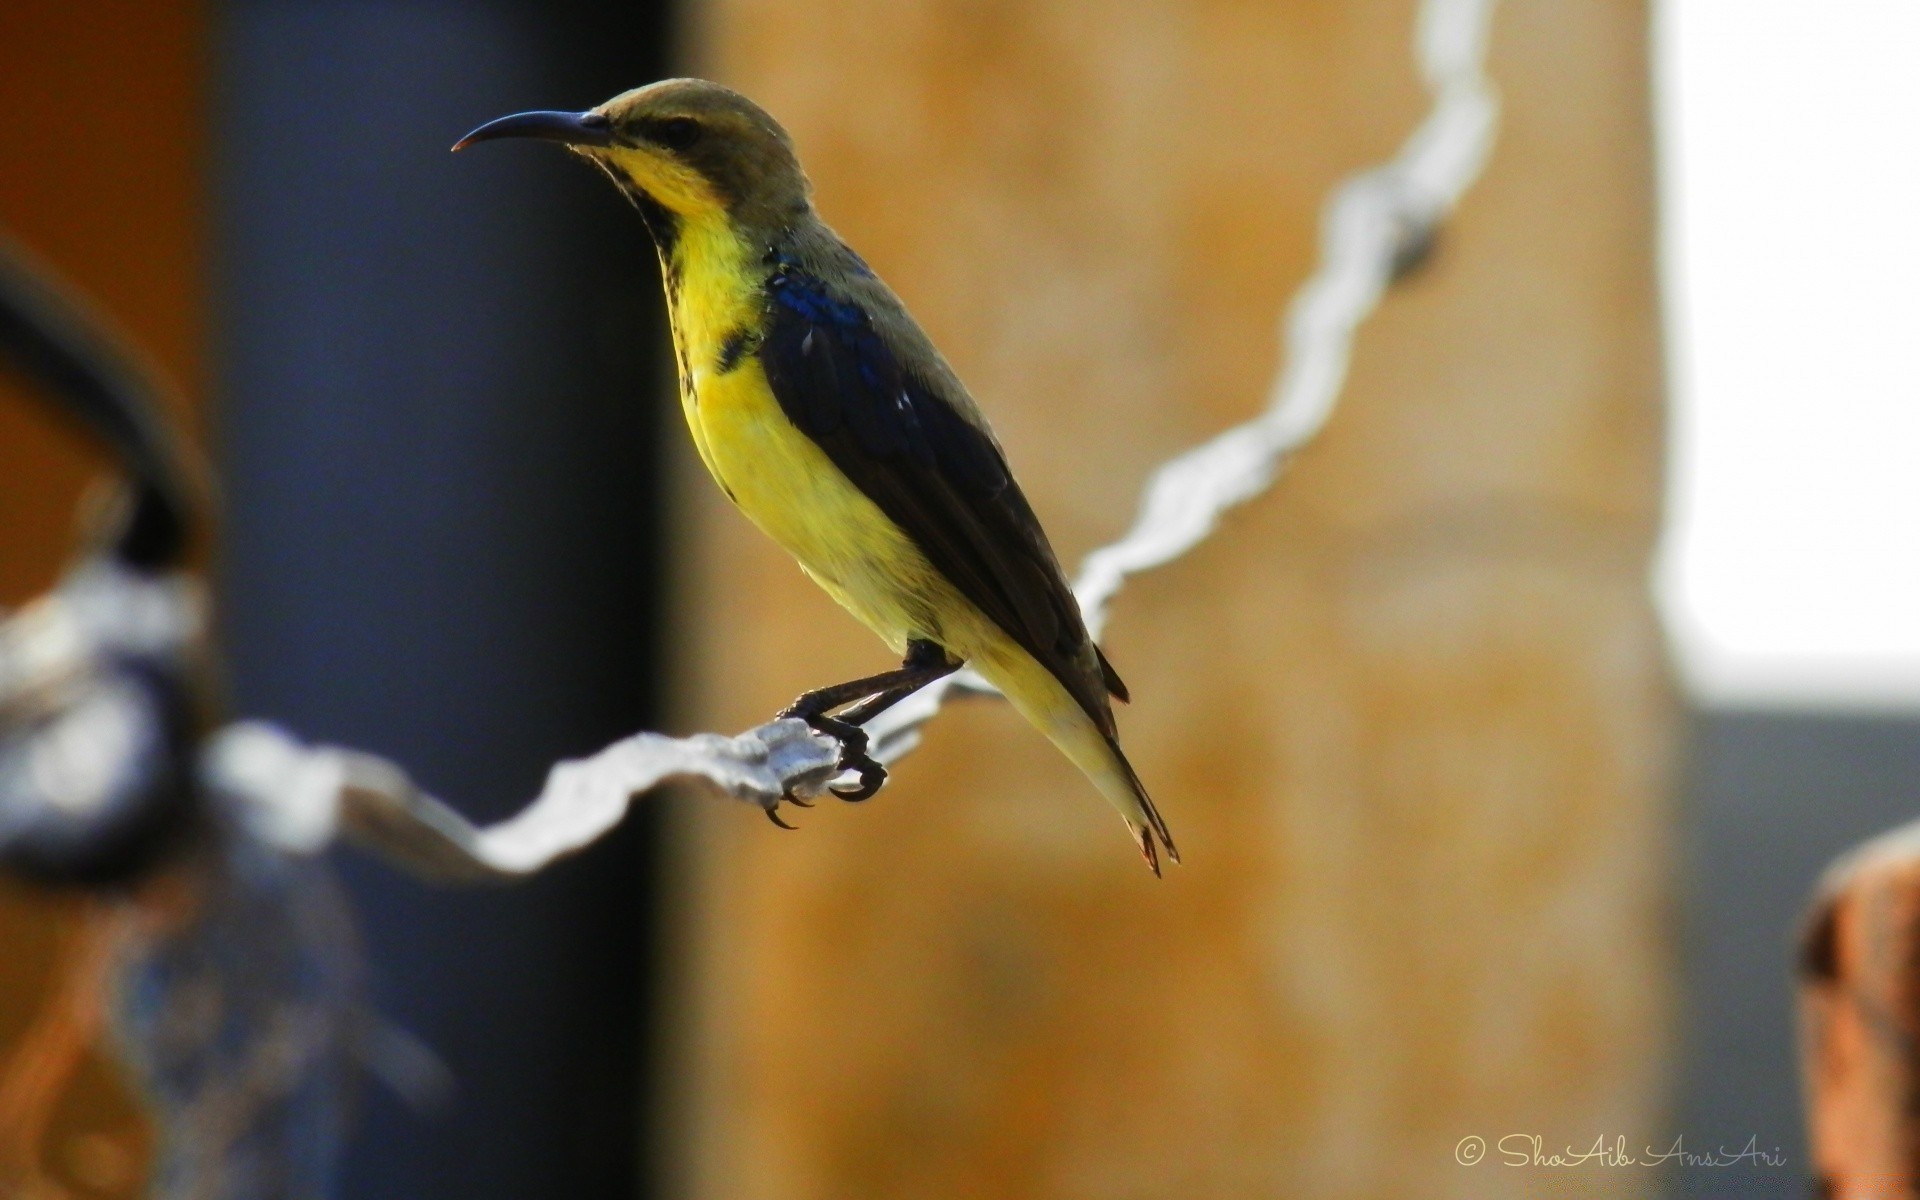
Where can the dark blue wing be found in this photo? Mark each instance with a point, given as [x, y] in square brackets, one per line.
[938, 477]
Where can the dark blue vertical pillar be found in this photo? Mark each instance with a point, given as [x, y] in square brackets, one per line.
[440, 401]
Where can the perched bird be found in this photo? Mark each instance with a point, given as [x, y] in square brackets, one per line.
[829, 418]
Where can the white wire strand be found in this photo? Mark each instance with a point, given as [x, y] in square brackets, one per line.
[1375, 221]
[1375, 224]
[300, 798]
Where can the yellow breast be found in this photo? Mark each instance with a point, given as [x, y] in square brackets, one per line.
[775, 474]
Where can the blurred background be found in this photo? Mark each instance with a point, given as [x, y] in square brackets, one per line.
[1504, 739]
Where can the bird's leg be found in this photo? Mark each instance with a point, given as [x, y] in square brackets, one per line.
[872, 775]
[924, 663]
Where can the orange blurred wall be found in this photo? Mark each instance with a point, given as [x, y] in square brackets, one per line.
[101, 174]
[1408, 715]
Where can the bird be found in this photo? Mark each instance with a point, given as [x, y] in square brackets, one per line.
[832, 422]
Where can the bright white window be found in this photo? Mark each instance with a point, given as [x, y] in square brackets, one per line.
[1790, 161]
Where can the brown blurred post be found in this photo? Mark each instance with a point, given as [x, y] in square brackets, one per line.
[100, 174]
[1859, 999]
[1408, 715]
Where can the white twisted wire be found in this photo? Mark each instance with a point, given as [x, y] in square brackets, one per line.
[1375, 222]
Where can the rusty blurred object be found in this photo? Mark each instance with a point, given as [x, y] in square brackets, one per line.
[46, 1059]
[100, 697]
[1858, 968]
[99, 716]
[117, 202]
[101, 171]
[64, 349]
[231, 976]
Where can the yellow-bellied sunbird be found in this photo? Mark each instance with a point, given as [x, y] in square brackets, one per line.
[829, 418]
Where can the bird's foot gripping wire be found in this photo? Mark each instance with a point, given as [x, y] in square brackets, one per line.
[853, 757]
[925, 662]
[853, 754]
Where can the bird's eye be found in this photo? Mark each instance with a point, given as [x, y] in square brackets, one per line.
[675, 133]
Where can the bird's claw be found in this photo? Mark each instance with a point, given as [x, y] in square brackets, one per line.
[872, 775]
[853, 757]
[787, 797]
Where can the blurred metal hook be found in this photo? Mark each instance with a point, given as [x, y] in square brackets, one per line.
[57, 343]
[99, 712]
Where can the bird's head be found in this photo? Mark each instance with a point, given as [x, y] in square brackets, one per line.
[695, 148]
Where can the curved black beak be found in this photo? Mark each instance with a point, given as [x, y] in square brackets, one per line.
[588, 128]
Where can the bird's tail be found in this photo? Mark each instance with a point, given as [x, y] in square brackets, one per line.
[1118, 782]
[1047, 705]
